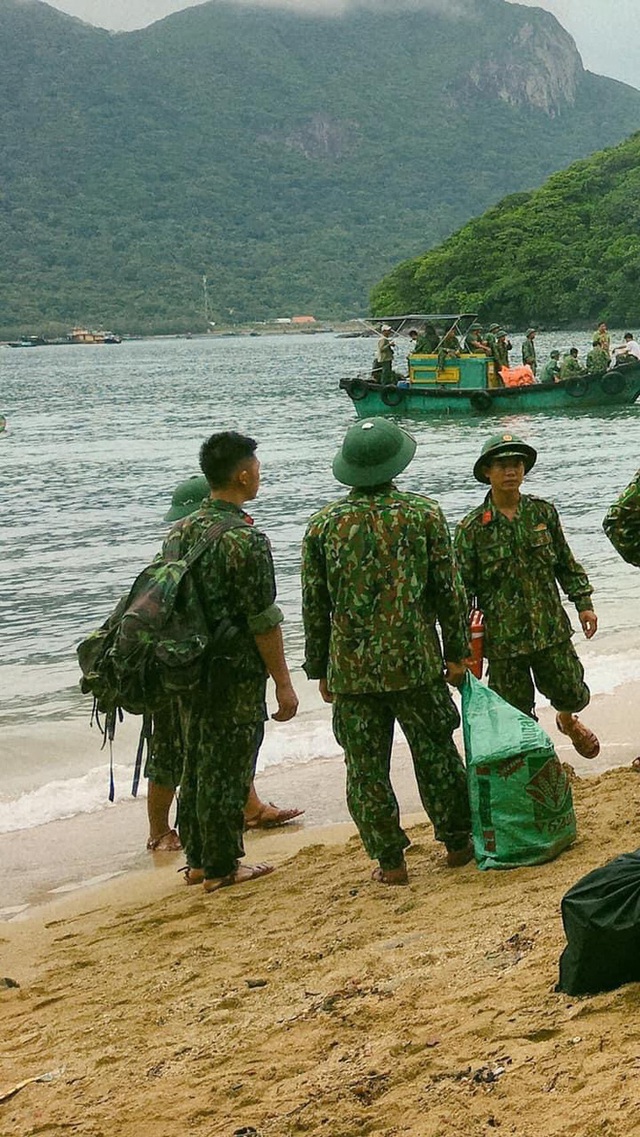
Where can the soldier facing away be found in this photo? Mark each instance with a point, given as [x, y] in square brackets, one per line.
[512, 554]
[377, 572]
[223, 721]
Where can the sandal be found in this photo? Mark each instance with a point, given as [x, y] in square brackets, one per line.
[391, 876]
[242, 875]
[192, 876]
[168, 842]
[270, 816]
[583, 740]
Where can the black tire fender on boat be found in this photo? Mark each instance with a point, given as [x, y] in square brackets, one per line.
[391, 396]
[577, 388]
[481, 401]
[357, 389]
[612, 384]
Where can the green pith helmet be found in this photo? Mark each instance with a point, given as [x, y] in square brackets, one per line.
[187, 497]
[503, 446]
[373, 452]
[555, 354]
[494, 327]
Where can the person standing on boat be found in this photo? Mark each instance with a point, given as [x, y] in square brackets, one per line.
[602, 339]
[529, 350]
[551, 369]
[571, 368]
[501, 350]
[512, 554]
[384, 356]
[377, 572]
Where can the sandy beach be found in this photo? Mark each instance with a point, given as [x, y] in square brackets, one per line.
[314, 1001]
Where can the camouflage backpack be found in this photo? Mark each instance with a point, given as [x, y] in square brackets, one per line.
[157, 641]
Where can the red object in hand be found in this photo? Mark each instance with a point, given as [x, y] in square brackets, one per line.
[476, 635]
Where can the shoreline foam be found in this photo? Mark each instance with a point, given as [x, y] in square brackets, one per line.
[112, 840]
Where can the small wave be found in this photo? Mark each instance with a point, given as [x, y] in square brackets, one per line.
[65, 798]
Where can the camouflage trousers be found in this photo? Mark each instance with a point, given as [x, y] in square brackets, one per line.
[556, 672]
[219, 765]
[166, 750]
[364, 726]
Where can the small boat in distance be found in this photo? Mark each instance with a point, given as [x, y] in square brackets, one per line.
[446, 383]
[83, 335]
[28, 341]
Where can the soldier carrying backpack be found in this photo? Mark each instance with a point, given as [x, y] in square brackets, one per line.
[201, 625]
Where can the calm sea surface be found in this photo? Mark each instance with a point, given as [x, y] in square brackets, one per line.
[98, 437]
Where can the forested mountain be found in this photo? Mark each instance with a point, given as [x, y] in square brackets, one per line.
[567, 252]
[292, 159]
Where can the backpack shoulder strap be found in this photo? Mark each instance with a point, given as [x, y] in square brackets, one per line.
[211, 536]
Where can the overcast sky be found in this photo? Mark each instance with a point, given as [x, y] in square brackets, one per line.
[607, 32]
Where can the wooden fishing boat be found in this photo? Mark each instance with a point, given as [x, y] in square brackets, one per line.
[467, 384]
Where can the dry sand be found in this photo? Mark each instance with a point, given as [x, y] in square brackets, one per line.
[315, 1001]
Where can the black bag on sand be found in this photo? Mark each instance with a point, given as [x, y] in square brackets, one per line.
[601, 917]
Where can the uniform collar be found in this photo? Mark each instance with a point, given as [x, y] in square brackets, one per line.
[489, 511]
[369, 491]
[228, 507]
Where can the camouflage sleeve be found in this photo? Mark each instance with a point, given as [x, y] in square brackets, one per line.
[251, 579]
[622, 523]
[446, 587]
[316, 606]
[464, 551]
[569, 572]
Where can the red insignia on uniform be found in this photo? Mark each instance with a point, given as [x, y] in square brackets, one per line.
[487, 516]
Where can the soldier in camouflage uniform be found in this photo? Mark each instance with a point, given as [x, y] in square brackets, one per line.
[163, 767]
[512, 552]
[529, 350]
[222, 722]
[602, 339]
[377, 572]
[570, 367]
[597, 359]
[622, 523]
[551, 369]
[622, 526]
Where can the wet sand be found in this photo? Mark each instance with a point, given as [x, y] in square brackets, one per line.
[316, 1001]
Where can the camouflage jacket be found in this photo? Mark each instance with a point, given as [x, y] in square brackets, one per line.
[570, 367]
[550, 371]
[529, 353]
[511, 568]
[622, 523]
[377, 572]
[597, 359]
[235, 578]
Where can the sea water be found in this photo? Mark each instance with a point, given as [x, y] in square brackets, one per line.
[99, 436]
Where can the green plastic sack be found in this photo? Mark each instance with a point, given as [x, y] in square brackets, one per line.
[520, 795]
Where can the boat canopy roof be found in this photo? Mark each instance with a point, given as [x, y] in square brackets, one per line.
[461, 321]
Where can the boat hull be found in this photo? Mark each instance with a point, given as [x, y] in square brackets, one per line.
[620, 387]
